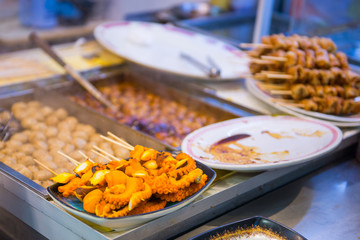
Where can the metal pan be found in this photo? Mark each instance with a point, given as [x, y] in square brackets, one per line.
[100, 123]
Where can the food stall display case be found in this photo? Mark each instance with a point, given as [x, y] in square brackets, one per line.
[30, 203]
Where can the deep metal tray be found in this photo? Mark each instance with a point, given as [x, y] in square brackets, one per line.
[100, 123]
[193, 96]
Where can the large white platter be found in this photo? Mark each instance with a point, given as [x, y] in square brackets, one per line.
[159, 46]
[342, 121]
[277, 142]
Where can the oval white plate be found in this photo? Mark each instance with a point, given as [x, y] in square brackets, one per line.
[159, 46]
[253, 87]
[299, 139]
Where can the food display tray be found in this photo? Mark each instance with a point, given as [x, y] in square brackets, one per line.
[229, 190]
[100, 123]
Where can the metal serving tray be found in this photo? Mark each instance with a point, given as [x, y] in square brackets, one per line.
[101, 124]
[192, 96]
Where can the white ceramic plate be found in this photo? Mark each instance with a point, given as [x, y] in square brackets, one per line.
[74, 206]
[269, 142]
[341, 121]
[159, 46]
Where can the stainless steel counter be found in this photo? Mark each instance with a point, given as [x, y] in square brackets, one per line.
[321, 205]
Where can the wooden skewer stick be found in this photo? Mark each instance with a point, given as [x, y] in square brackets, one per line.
[281, 100]
[44, 166]
[69, 158]
[106, 153]
[279, 76]
[261, 61]
[280, 92]
[119, 139]
[255, 45]
[287, 102]
[274, 58]
[272, 72]
[101, 155]
[271, 86]
[298, 105]
[86, 156]
[118, 143]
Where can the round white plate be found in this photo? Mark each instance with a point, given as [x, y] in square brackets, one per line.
[159, 46]
[341, 121]
[275, 142]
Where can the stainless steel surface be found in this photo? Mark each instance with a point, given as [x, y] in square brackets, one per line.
[51, 221]
[321, 205]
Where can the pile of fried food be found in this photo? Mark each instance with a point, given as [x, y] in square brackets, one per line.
[308, 71]
[165, 119]
[144, 183]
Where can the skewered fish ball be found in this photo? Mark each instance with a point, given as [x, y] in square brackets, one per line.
[52, 120]
[51, 131]
[26, 172]
[39, 153]
[55, 144]
[79, 142]
[80, 134]
[9, 160]
[33, 168]
[36, 136]
[13, 144]
[68, 148]
[71, 123]
[39, 126]
[42, 175]
[26, 160]
[27, 148]
[64, 136]
[20, 137]
[61, 113]
[45, 111]
[18, 166]
[39, 144]
[28, 122]
[18, 109]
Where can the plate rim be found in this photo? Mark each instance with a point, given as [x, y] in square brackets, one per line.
[201, 78]
[113, 222]
[337, 136]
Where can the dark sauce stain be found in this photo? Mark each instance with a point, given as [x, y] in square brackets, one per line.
[232, 138]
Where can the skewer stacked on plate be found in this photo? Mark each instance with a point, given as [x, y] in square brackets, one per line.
[309, 72]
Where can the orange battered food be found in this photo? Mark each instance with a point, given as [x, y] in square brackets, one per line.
[145, 182]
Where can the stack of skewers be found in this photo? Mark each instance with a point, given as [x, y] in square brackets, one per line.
[306, 72]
